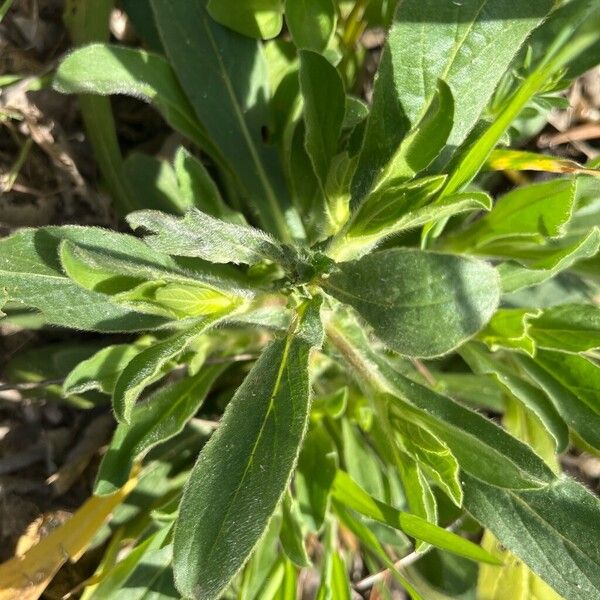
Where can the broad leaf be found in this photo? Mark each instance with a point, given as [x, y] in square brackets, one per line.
[230, 99]
[311, 22]
[254, 18]
[347, 492]
[156, 420]
[404, 295]
[32, 276]
[106, 69]
[553, 530]
[530, 213]
[200, 235]
[469, 45]
[246, 466]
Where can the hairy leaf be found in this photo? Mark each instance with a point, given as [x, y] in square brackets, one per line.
[200, 235]
[246, 466]
[404, 294]
[32, 276]
[556, 534]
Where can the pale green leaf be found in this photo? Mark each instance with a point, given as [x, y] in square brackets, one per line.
[106, 69]
[200, 235]
[260, 19]
[570, 327]
[292, 534]
[510, 328]
[349, 493]
[311, 22]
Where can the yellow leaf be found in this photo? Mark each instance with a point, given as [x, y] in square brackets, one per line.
[26, 577]
[519, 160]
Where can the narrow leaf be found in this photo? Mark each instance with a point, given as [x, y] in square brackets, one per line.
[503, 159]
[158, 419]
[245, 467]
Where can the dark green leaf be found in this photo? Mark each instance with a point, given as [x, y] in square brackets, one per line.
[469, 45]
[227, 86]
[291, 534]
[246, 466]
[324, 108]
[404, 294]
[553, 530]
[149, 365]
[159, 418]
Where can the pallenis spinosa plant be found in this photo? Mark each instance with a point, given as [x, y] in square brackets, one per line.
[336, 279]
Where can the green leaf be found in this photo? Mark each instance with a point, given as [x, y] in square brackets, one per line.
[433, 456]
[316, 470]
[158, 419]
[503, 159]
[200, 235]
[155, 181]
[335, 583]
[324, 109]
[291, 534]
[370, 541]
[530, 213]
[425, 140]
[230, 99]
[349, 493]
[553, 530]
[573, 385]
[150, 364]
[482, 448]
[311, 22]
[105, 69]
[245, 467]
[32, 276]
[262, 19]
[529, 395]
[198, 189]
[100, 371]
[404, 294]
[512, 580]
[510, 328]
[544, 264]
[430, 41]
[571, 328]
